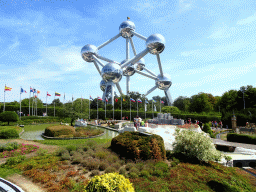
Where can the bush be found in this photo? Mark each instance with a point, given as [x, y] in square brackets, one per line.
[193, 146]
[15, 160]
[109, 182]
[103, 165]
[162, 166]
[110, 170]
[94, 172]
[59, 130]
[207, 129]
[9, 146]
[9, 133]
[134, 145]
[9, 116]
[144, 173]
[241, 138]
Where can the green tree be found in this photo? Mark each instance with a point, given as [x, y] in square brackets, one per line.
[170, 109]
[200, 103]
[9, 116]
[57, 103]
[25, 102]
[182, 103]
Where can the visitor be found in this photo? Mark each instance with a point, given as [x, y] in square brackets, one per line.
[96, 122]
[99, 123]
[220, 124]
[139, 122]
[212, 124]
[127, 117]
[201, 124]
[146, 124]
[216, 124]
[142, 123]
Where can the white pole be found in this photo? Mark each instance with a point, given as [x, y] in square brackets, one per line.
[29, 100]
[20, 102]
[152, 110]
[97, 108]
[130, 110]
[81, 104]
[160, 106]
[36, 103]
[4, 97]
[54, 103]
[137, 107]
[121, 107]
[114, 109]
[46, 103]
[105, 108]
[89, 108]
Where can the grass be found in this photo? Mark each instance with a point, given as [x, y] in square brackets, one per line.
[19, 129]
[37, 127]
[5, 172]
[63, 175]
[69, 142]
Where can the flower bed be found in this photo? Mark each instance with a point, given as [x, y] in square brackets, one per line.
[14, 149]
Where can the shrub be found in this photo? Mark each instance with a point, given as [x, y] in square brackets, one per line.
[41, 152]
[65, 156]
[109, 182]
[77, 158]
[116, 165]
[58, 130]
[207, 129]
[194, 146]
[101, 154]
[110, 170]
[134, 170]
[94, 172]
[122, 171]
[129, 166]
[144, 173]
[162, 166]
[158, 173]
[103, 165]
[15, 160]
[71, 148]
[134, 145]
[9, 133]
[9, 146]
[133, 175]
[241, 138]
[9, 116]
[91, 163]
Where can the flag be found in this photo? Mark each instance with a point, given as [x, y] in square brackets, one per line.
[48, 94]
[34, 90]
[35, 96]
[155, 107]
[162, 101]
[64, 96]
[22, 91]
[139, 101]
[116, 99]
[72, 98]
[132, 100]
[128, 18]
[99, 99]
[7, 88]
[123, 99]
[106, 99]
[38, 91]
[146, 101]
[57, 94]
[91, 98]
[153, 101]
[31, 90]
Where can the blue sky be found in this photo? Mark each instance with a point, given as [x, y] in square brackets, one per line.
[210, 45]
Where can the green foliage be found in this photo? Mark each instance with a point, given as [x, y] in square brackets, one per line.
[9, 146]
[58, 130]
[222, 186]
[9, 133]
[194, 146]
[9, 116]
[207, 129]
[134, 145]
[109, 182]
[170, 109]
[15, 160]
[241, 138]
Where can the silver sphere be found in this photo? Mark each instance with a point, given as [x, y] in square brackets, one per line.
[87, 52]
[128, 70]
[126, 29]
[111, 72]
[140, 64]
[102, 85]
[155, 43]
[164, 82]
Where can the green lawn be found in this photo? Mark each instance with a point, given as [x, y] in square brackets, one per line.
[5, 172]
[70, 142]
[38, 127]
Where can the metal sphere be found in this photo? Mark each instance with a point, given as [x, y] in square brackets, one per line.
[102, 85]
[140, 64]
[155, 43]
[87, 52]
[111, 72]
[126, 29]
[128, 70]
[164, 82]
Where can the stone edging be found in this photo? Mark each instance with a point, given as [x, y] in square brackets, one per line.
[21, 132]
[56, 138]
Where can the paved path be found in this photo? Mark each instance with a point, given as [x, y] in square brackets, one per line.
[243, 145]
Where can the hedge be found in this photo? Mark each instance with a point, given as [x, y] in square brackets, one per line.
[241, 138]
[56, 131]
[134, 145]
[9, 133]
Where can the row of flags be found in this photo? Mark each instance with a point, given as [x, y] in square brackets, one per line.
[131, 99]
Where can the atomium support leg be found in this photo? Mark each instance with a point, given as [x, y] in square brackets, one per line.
[109, 92]
[127, 85]
[150, 90]
[119, 88]
[109, 41]
[138, 35]
[149, 71]
[97, 67]
[159, 64]
[136, 58]
[127, 48]
[168, 97]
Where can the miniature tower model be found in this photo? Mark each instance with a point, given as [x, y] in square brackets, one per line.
[113, 71]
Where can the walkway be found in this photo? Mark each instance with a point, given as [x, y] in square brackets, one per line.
[234, 144]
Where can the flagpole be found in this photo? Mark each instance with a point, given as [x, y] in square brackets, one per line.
[46, 102]
[54, 103]
[32, 101]
[145, 110]
[130, 110]
[4, 96]
[152, 111]
[97, 108]
[137, 107]
[121, 106]
[81, 104]
[20, 102]
[36, 103]
[105, 108]
[29, 101]
[114, 109]
[89, 107]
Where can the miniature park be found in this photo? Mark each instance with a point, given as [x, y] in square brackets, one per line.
[202, 143]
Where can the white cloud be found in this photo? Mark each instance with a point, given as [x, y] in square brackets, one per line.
[247, 20]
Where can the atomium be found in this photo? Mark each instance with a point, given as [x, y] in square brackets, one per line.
[113, 71]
